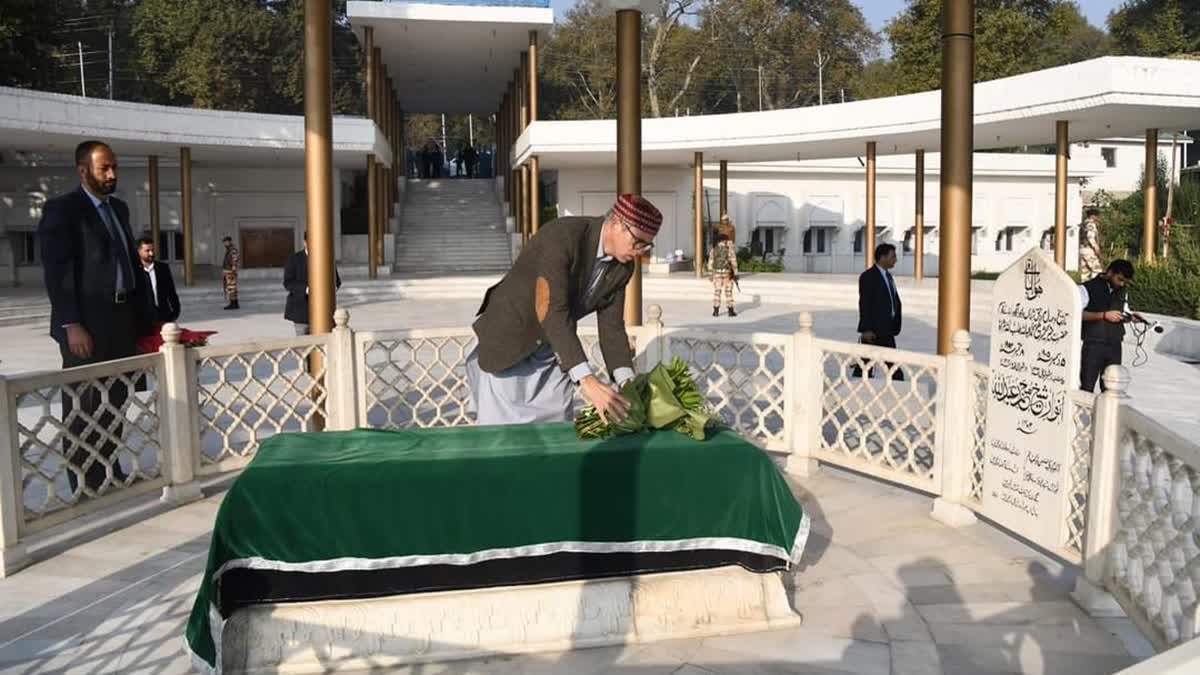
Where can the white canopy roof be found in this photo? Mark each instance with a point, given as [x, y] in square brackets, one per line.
[41, 122]
[1111, 96]
[453, 59]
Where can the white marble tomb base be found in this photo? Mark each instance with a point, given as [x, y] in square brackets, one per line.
[384, 632]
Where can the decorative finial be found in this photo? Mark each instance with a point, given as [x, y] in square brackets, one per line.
[806, 322]
[961, 341]
[170, 333]
[341, 317]
[1116, 379]
[655, 313]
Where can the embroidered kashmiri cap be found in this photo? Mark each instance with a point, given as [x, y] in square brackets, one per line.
[639, 213]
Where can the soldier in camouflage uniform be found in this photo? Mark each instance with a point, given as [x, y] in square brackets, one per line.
[229, 272]
[722, 264]
[1090, 263]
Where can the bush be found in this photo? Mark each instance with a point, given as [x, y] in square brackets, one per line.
[749, 263]
[1170, 286]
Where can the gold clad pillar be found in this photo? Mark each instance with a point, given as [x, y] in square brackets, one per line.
[919, 219]
[958, 109]
[724, 190]
[698, 210]
[629, 135]
[389, 173]
[869, 237]
[533, 81]
[185, 206]
[535, 197]
[1150, 190]
[155, 219]
[318, 161]
[372, 168]
[1060, 193]
[523, 201]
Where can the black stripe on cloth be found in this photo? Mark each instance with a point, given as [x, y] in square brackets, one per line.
[240, 587]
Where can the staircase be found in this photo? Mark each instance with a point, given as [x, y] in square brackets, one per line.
[451, 226]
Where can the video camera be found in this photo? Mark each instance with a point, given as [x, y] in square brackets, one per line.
[1154, 326]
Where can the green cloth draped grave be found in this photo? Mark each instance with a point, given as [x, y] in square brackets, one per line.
[327, 502]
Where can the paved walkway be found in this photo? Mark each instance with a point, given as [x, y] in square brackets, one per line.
[893, 595]
[1161, 387]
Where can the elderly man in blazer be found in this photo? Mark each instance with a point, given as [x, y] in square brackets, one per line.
[529, 360]
[97, 306]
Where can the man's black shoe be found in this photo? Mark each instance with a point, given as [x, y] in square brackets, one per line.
[232, 305]
[716, 311]
[731, 312]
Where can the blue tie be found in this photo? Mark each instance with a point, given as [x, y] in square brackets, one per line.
[118, 237]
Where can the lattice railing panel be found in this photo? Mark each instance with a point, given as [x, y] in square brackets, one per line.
[417, 382]
[84, 440]
[1154, 559]
[979, 397]
[1079, 471]
[744, 382]
[880, 425]
[247, 397]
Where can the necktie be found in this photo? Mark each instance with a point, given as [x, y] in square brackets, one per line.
[891, 291]
[597, 274]
[118, 238]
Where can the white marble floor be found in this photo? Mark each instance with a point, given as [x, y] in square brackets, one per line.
[884, 590]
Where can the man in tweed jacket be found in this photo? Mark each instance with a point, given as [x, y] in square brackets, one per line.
[529, 358]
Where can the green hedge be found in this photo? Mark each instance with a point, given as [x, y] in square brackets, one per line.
[1165, 289]
[748, 263]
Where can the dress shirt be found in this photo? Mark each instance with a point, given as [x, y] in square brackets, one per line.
[153, 282]
[887, 281]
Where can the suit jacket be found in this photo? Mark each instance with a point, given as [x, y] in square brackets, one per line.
[168, 307]
[295, 280]
[874, 307]
[79, 261]
[541, 300]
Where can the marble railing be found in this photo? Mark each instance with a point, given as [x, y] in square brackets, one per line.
[165, 421]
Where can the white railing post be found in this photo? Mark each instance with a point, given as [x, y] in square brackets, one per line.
[340, 375]
[651, 349]
[1103, 487]
[957, 419]
[177, 425]
[13, 555]
[805, 382]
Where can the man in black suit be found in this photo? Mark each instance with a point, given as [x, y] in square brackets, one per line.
[295, 280]
[163, 299]
[95, 306]
[879, 307]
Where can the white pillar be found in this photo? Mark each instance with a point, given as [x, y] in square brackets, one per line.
[806, 382]
[1105, 483]
[956, 407]
[13, 555]
[339, 374]
[177, 422]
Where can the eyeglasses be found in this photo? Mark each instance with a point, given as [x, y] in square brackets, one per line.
[639, 244]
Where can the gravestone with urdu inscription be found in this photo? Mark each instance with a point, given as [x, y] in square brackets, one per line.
[1035, 344]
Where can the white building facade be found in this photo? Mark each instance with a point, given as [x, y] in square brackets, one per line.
[812, 213]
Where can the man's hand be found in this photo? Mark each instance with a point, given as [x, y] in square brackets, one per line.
[1113, 316]
[79, 341]
[611, 406]
[868, 337]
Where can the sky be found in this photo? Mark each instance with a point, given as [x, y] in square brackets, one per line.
[878, 12]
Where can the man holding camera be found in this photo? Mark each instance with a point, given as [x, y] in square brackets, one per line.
[1105, 313]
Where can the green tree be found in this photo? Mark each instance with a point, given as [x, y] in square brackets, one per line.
[31, 39]
[783, 52]
[1156, 27]
[1011, 37]
[579, 69]
[209, 53]
[287, 61]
